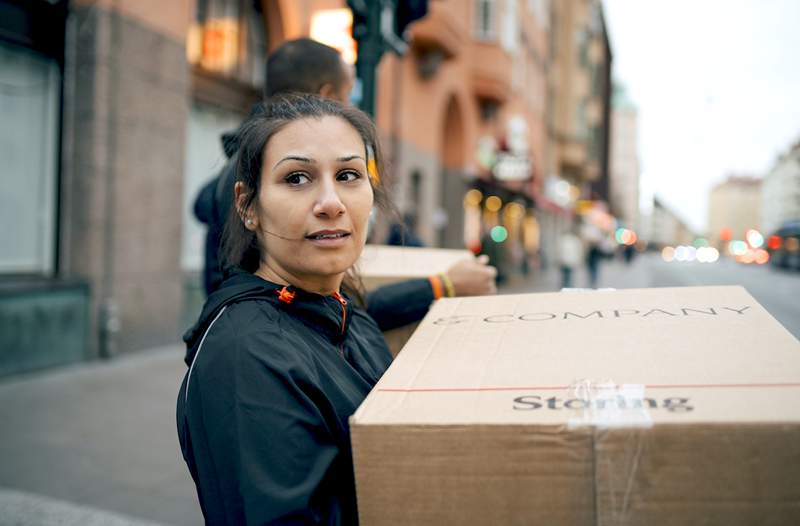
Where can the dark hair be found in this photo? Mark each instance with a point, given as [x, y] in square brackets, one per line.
[303, 66]
[240, 246]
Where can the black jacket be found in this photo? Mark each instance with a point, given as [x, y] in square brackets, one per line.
[263, 410]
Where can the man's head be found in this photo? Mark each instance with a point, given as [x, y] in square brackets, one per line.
[306, 66]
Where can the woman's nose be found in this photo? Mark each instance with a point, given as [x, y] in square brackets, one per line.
[328, 202]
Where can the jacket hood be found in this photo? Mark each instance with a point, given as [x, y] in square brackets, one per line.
[323, 313]
[240, 286]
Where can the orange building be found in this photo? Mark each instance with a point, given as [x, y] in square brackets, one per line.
[465, 109]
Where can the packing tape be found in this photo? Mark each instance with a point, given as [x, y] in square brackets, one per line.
[604, 404]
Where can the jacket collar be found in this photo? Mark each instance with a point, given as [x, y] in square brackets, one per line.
[327, 314]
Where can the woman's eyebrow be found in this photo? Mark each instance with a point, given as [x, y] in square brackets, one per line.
[306, 160]
[349, 158]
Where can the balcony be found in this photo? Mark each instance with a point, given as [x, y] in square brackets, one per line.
[438, 32]
[490, 72]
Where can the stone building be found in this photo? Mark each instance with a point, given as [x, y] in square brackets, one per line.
[734, 207]
[780, 191]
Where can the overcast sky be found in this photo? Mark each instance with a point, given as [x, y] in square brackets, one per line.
[717, 84]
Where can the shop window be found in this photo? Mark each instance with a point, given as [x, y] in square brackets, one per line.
[226, 46]
[29, 130]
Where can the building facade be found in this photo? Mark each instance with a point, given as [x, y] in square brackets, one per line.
[781, 191]
[624, 170]
[109, 103]
[667, 228]
[734, 207]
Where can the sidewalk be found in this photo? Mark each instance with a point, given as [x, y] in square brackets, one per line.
[101, 436]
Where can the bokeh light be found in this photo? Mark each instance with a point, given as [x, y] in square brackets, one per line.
[515, 210]
[700, 242]
[473, 197]
[774, 242]
[493, 203]
[738, 247]
[707, 254]
[625, 236]
[761, 256]
[754, 238]
[668, 254]
[747, 257]
[499, 234]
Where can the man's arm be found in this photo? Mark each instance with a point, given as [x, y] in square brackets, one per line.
[399, 304]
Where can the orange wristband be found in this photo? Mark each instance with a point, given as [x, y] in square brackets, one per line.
[436, 285]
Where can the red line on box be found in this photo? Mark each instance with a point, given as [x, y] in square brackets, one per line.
[564, 387]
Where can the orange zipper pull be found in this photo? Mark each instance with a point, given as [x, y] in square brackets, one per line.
[285, 295]
[343, 303]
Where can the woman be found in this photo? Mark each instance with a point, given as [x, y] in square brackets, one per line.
[280, 358]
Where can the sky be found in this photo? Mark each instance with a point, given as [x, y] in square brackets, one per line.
[717, 86]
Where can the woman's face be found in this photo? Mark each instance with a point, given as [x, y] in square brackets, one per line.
[314, 202]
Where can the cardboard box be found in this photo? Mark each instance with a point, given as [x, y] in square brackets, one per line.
[635, 407]
[383, 264]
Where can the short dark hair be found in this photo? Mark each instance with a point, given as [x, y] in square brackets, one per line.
[241, 247]
[302, 66]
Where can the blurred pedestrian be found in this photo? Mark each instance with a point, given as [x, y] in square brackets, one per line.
[593, 237]
[570, 255]
[404, 233]
[306, 66]
[628, 252]
[280, 358]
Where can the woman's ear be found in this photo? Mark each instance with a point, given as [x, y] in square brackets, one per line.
[327, 91]
[246, 214]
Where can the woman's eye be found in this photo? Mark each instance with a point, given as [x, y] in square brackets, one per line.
[297, 178]
[348, 175]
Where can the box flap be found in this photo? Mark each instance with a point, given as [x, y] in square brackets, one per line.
[608, 359]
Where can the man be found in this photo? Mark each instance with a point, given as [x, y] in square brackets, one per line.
[307, 66]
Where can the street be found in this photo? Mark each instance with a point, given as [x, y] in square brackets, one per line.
[95, 443]
[776, 289]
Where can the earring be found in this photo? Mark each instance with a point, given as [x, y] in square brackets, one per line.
[249, 222]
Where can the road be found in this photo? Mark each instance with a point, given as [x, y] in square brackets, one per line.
[776, 289]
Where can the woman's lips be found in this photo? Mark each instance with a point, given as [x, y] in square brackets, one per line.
[329, 238]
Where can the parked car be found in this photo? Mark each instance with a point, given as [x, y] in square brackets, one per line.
[784, 245]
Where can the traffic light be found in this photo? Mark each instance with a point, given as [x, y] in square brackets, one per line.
[386, 19]
[379, 25]
[406, 12]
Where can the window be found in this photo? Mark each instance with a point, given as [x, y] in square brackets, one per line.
[29, 103]
[204, 160]
[226, 46]
[510, 37]
[485, 19]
